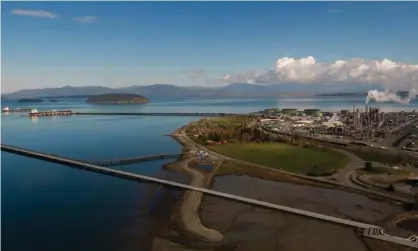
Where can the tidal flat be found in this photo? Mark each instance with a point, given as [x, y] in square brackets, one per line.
[248, 227]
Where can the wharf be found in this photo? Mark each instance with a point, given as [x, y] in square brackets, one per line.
[50, 113]
[178, 114]
[133, 160]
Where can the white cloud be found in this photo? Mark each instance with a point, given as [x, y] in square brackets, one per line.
[390, 74]
[34, 13]
[85, 19]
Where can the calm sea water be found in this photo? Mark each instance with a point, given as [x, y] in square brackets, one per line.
[46, 206]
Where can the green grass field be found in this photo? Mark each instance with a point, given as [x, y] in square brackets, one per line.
[286, 157]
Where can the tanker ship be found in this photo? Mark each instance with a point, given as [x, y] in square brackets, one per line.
[7, 109]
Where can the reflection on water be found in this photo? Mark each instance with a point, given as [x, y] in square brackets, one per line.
[205, 167]
[34, 119]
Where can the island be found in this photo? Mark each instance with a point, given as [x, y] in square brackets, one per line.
[30, 100]
[53, 100]
[117, 98]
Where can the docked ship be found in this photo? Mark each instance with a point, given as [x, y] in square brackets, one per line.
[35, 112]
[7, 109]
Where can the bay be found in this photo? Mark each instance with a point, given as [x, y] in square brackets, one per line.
[47, 206]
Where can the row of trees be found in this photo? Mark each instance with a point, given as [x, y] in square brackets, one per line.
[239, 133]
[250, 135]
[243, 133]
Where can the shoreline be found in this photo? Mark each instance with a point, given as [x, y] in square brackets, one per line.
[187, 215]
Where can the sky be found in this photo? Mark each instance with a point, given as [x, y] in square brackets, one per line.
[118, 44]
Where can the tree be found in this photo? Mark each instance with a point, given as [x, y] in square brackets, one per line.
[257, 134]
[226, 135]
[202, 137]
[246, 137]
[266, 137]
[210, 136]
[368, 166]
[391, 188]
[216, 137]
[296, 138]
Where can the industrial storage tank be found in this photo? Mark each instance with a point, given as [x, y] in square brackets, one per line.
[313, 112]
[290, 111]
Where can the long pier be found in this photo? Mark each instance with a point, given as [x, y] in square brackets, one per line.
[364, 229]
[163, 114]
[133, 160]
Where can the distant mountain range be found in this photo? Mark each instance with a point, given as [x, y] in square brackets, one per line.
[161, 91]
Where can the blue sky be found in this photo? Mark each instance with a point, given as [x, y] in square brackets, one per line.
[140, 43]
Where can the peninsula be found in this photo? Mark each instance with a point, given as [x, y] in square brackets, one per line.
[117, 98]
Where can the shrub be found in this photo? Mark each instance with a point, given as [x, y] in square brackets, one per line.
[391, 188]
[368, 166]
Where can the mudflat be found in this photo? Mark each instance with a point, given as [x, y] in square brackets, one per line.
[247, 227]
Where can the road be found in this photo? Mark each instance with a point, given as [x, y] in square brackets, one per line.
[343, 176]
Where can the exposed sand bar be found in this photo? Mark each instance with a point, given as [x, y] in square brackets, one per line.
[190, 207]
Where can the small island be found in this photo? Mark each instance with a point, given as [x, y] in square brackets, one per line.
[30, 100]
[53, 100]
[117, 98]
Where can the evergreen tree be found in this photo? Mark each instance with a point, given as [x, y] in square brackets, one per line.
[216, 137]
[368, 166]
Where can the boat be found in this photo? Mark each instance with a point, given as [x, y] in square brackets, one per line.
[7, 109]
